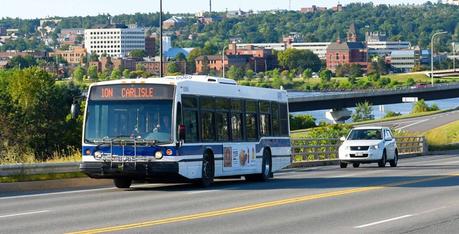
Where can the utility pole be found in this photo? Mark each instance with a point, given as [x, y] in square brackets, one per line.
[454, 56]
[161, 38]
[223, 61]
[431, 55]
[210, 7]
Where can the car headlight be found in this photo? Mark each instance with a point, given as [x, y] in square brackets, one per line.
[374, 147]
[159, 154]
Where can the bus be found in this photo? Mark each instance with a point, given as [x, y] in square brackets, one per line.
[184, 128]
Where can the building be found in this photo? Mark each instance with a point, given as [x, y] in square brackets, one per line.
[173, 52]
[378, 45]
[312, 9]
[150, 46]
[350, 52]
[403, 60]
[452, 2]
[174, 21]
[262, 59]
[215, 62]
[2, 31]
[338, 8]
[74, 55]
[71, 36]
[318, 48]
[114, 40]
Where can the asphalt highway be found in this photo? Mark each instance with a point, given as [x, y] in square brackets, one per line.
[421, 124]
[419, 196]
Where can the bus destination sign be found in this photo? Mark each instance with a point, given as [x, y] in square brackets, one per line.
[121, 92]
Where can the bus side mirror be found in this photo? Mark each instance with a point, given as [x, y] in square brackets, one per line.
[182, 132]
[75, 110]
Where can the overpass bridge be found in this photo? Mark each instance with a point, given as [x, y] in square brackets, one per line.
[338, 102]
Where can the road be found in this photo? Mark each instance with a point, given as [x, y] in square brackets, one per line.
[419, 196]
[421, 124]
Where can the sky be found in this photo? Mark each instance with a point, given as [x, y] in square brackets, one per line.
[42, 8]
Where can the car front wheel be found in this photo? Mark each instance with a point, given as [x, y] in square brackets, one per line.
[383, 161]
[393, 163]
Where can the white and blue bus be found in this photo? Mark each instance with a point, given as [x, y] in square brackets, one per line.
[192, 128]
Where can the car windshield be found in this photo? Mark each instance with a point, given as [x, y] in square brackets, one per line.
[148, 120]
[365, 134]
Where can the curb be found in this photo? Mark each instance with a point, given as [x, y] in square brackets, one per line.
[67, 184]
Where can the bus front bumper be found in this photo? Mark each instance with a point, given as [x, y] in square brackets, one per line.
[153, 171]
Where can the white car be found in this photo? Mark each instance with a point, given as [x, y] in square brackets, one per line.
[368, 145]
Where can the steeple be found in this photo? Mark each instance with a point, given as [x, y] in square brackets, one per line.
[352, 34]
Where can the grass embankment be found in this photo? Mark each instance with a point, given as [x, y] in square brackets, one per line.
[400, 117]
[445, 137]
[40, 177]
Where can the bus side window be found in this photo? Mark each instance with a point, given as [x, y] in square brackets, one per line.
[190, 118]
[179, 118]
[275, 115]
[236, 120]
[207, 113]
[265, 119]
[284, 119]
[251, 117]
[222, 123]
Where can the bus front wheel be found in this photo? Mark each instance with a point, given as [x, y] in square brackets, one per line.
[208, 170]
[122, 182]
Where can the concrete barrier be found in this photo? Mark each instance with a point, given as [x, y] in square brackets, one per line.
[38, 168]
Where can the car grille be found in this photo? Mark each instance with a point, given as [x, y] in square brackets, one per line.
[360, 156]
[359, 148]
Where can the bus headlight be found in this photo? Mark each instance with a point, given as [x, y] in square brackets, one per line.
[97, 155]
[159, 155]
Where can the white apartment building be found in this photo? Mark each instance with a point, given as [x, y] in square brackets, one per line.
[404, 60]
[114, 42]
[318, 48]
[453, 2]
[385, 48]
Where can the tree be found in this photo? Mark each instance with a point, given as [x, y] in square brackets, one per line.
[92, 72]
[172, 68]
[355, 71]
[421, 106]
[191, 61]
[180, 57]
[235, 73]
[137, 53]
[299, 59]
[307, 73]
[325, 75]
[250, 73]
[116, 74]
[363, 111]
[126, 73]
[93, 57]
[302, 122]
[410, 82]
[78, 74]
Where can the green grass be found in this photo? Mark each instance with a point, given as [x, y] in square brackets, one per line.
[407, 116]
[445, 137]
[40, 177]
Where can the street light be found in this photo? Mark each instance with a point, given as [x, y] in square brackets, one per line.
[161, 38]
[454, 56]
[431, 54]
[223, 60]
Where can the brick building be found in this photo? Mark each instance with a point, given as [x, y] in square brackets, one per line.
[74, 55]
[260, 60]
[215, 62]
[350, 52]
[150, 46]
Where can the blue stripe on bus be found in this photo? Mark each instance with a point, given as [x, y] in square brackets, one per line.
[184, 150]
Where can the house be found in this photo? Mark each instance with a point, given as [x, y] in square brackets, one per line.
[174, 21]
[261, 59]
[74, 55]
[215, 62]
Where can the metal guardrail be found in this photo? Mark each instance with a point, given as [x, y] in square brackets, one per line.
[38, 168]
[303, 150]
[308, 149]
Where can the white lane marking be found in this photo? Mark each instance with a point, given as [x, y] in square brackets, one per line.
[25, 213]
[202, 191]
[55, 193]
[384, 221]
[415, 123]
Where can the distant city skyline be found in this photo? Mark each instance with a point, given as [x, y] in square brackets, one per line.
[43, 8]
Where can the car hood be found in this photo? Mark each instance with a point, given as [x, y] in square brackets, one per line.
[362, 142]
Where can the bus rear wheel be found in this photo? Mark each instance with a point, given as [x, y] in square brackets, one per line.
[266, 168]
[123, 183]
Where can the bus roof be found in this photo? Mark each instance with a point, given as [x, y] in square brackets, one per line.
[207, 86]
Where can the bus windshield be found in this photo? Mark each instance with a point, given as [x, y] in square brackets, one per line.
[149, 120]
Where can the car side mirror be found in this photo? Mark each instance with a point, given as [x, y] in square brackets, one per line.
[388, 138]
[342, 138]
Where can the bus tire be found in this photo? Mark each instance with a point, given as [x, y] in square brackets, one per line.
[208, 170]
[266, 168]
[122, 182]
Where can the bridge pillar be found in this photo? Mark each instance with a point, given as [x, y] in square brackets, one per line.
[338, 116]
